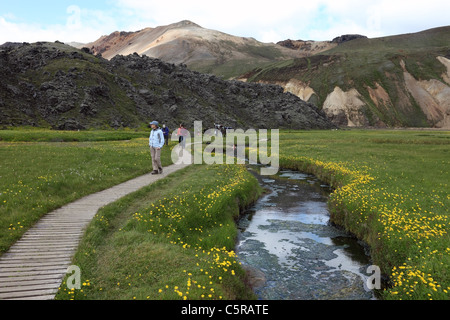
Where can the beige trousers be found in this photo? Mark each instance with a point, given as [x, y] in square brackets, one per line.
[156, 159]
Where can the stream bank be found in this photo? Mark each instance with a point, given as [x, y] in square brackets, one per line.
[291, 249]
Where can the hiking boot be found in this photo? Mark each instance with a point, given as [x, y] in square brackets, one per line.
[155, 172]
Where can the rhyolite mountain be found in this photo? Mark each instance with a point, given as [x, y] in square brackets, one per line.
[396, 81]
[201, 49]
[58, 86]
[206, 50]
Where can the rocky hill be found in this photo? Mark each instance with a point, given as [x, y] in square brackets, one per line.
[58, 86]
[393, 81]
[308, 48]
[201, 49]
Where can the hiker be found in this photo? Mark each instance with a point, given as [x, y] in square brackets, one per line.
[166, 134]
[182, 133]
[156, 143]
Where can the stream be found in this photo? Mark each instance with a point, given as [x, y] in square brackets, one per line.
[292, 251]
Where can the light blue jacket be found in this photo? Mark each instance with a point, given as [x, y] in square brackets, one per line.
[156, 139]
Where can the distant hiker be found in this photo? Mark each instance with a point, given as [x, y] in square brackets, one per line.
[180, 137]
[182, 134]
[223, 130]
[166, 134]
[156, 143]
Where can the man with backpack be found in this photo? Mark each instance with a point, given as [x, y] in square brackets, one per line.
[156, 143]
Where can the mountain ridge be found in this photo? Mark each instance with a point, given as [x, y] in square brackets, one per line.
[55, 85]
[206, 50]
[395, 81]
[400, 80]
[203, 50]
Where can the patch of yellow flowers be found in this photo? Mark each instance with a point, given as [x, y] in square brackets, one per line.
[403, 225]
[185, 220]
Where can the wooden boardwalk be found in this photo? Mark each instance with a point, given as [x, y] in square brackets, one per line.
[35, 266]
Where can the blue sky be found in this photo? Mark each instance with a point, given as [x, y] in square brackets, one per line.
[267, 21]
[42, 12]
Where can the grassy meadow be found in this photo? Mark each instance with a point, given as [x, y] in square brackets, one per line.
[38, 175]
[392, 191]
[175, 239]
[172, 240]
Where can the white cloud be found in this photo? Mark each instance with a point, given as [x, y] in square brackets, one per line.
[240, 17]
[403, 16]
[21, 32]
[264, 20]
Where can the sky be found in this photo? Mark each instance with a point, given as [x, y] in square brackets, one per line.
[267, 21]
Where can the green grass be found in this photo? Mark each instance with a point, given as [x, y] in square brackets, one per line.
[25, 134]
[392, 192]
[171, 240]
[38, 177]
[229, 69]
[174, 238]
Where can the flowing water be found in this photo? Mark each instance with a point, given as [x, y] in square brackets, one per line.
[291, 249]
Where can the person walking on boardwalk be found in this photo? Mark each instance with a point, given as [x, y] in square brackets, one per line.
[156, 143]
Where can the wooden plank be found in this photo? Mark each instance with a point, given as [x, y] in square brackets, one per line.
[50, 245]
[28, 294]
[20, 278]
[41, 250]
[40, 297]
[32, 264]
[36, 272]
[30, 287]
[9, 269]
[18, 282]
[28, 257]
[30, 261]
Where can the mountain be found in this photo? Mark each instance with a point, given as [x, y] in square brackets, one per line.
[206, 50]
[401, 80]
[55, 85]
[358, 82]
[201, 49]
[309, 47]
